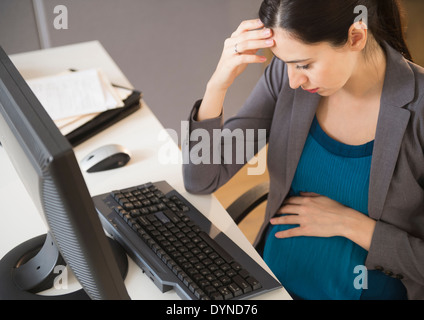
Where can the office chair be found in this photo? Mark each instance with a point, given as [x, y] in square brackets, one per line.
[248, 201]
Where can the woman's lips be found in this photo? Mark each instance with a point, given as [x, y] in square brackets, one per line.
[313, 90]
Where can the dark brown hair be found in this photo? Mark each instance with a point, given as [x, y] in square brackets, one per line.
[314, 21]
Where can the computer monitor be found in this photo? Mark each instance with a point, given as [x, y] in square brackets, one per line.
[46, 164]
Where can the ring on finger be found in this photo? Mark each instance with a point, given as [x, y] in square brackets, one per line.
[235, 49]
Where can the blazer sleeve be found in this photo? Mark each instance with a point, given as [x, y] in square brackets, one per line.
[214, 151]
[397, 251]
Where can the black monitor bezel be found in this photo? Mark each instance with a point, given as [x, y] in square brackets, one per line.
[60, 193]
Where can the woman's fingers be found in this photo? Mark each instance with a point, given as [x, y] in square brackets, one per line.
[251, 58]
[286, 219]
[247, 25]
[249, 41]
[255, 35]
[248, 46]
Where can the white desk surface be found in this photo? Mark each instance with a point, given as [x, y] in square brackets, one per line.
[140, 134]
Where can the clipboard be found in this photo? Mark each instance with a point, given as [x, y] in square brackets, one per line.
[105, 119]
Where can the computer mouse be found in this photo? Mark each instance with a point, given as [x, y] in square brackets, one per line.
[107, 157]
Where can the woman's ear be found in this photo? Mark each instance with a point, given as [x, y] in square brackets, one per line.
[358, 35]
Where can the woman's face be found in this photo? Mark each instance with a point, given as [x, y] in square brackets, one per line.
[317, 68]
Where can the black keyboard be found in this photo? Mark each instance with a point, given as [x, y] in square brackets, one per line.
[177, 247]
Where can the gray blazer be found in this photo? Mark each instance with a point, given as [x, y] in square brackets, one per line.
[396, 191]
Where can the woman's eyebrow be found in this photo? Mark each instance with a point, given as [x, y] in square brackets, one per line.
[297, 61]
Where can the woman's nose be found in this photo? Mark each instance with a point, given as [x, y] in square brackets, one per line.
[296, 78]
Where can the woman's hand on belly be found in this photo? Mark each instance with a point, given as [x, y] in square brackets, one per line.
[320, 216]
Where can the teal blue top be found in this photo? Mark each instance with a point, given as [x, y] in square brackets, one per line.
[329, 268]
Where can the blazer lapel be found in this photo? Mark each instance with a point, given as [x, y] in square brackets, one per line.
[304, 109]
[391, 128]
[303, 106]
[393, 120]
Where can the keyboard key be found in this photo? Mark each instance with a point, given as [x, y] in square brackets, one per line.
[225, 280]
[244, 273]
[254, 283]
[128, 206]
[171, 216]
[161, 217]
[235, 289]
[209, 290]
[226, 293]
[236, 266]
[216, 296]
[243, 284]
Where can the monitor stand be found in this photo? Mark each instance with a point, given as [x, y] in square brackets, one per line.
[29, 268]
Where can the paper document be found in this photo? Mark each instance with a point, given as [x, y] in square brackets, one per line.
[69, 124]
[75, 93]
